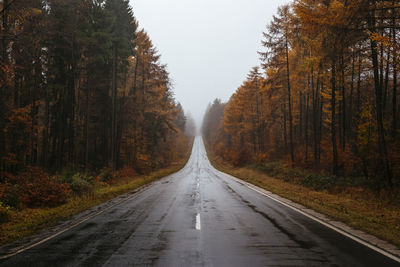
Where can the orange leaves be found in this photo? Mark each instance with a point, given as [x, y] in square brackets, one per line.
[33, 188]
[384, 40]
[330, 100]
[18, 133]
[155, 123]
[126, 172]
[5, 68]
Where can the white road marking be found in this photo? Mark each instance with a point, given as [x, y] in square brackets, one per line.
[138, 190]
[341, 231]
[136, 193]
[198, 224]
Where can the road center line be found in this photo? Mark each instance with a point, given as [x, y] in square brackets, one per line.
[198, 224]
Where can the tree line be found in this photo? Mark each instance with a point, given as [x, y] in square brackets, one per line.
[83, 86]
[325, 95]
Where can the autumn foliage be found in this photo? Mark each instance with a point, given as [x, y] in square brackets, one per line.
[33, 187]
[325, 96]
[82, 88]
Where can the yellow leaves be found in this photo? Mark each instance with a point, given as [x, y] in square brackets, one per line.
[36, 11]
[150, 109]
[383, 40]
[367, 132]
[337, 5]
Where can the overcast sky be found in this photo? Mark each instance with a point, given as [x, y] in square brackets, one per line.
[208, 45]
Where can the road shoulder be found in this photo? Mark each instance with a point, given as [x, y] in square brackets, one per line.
[371, 241]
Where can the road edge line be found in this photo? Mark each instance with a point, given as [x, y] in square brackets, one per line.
[130, 195]
[135, 193]
[319, 220]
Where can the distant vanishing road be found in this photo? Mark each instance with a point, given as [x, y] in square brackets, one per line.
[200, 217]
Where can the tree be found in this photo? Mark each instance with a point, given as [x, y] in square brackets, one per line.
[122, 32]
[277, 42]
[328, 70]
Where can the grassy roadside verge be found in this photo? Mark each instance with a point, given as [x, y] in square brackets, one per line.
[376, 213]
[29, 221]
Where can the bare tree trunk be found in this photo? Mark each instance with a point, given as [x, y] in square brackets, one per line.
[359, 86]
[306, 127]
[5, 31]
[394, 97]
[379, 112]
[290, 104]
[350, 120]
[258, 127]
[333, 119]
[344, 118]
[45, 132]
[386, 82]
[114, 110]
[320, 128]
[284, 128]
[135, 143]
[3, 76]
[301, 116]
[314, 114]
[87, 122]
[262, 123]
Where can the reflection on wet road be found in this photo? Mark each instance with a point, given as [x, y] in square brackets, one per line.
[199, 217]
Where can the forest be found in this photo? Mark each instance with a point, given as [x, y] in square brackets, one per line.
[325, 96]
[83, 90]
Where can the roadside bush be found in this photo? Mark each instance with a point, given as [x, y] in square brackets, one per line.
[38, 189]
[240, 158]
[280, 171]
[271, 168]
[143, 164]
[126, 172]
[4, 213]
[32, 188]
[105, 175]
[9, 194]
[66, 175]
[82, 183]
[318, 181]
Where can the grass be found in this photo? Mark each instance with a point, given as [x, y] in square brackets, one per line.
[29, 221]
[374, 212]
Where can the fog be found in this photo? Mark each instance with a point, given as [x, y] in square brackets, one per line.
[208, 45]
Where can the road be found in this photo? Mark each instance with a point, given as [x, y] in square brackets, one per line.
[200, 217]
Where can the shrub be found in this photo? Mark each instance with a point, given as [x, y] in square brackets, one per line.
[240, 158]
[82, 183]
[143, 164]
[105, 175]
[126, 172]
[318, 181]
[10, 195]
[9, 192]
[66, 175]
[271, 167]
[4, 213]
[38, 189]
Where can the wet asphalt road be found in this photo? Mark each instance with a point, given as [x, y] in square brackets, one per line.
[200, 217]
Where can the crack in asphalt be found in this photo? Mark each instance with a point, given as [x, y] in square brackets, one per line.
[291, 236]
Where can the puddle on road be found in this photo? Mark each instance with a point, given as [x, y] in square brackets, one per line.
[198, 224]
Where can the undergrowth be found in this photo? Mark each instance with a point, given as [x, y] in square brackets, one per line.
[84, 191]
